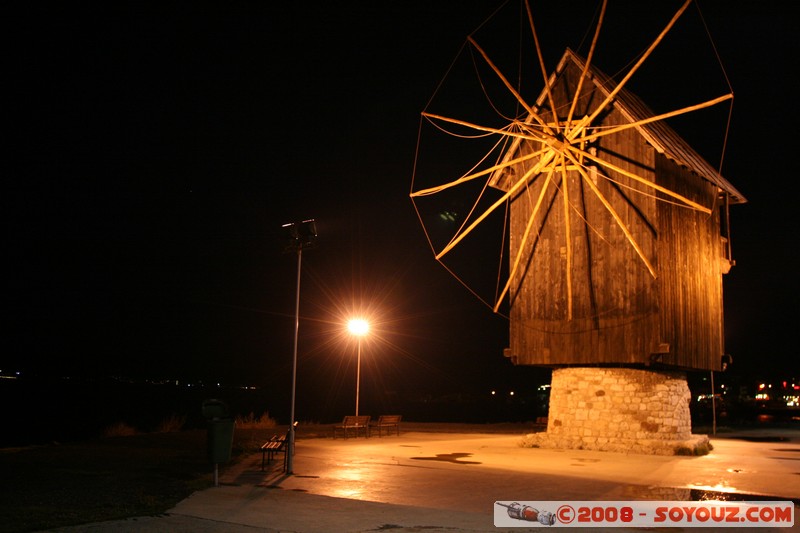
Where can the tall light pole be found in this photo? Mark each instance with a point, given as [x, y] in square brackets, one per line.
[358, 327]
[300, 236]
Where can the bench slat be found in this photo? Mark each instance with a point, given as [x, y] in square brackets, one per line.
[276, 444]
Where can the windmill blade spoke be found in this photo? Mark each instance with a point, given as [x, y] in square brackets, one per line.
[642, 180]
[469, 177]
[510, 87]
[524, 239]
[565, 196]
[633, 69]
[478, 127]
[656, 118]
[542, 65]
[522, 181]
[621, 223]
[577, 94]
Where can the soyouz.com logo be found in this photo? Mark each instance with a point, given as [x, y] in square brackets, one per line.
[710, 513]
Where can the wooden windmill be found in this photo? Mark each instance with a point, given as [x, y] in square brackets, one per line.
[618, 228]
[618, 241]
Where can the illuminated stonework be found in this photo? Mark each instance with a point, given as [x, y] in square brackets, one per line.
[620, 410]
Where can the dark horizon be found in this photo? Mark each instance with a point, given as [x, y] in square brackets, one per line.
[88, 407]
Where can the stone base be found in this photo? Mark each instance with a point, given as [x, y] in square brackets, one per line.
[620, 410]
[695, 445]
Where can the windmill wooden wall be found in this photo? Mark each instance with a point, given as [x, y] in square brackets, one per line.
[621, 313]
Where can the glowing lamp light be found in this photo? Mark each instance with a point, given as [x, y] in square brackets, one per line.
[358, 326]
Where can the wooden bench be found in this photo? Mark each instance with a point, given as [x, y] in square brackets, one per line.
[276, 444]
[354, 424]
[389, 422]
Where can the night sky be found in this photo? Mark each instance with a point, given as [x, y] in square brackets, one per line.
[154, 151]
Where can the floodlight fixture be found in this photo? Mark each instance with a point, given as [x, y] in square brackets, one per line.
[300, 235]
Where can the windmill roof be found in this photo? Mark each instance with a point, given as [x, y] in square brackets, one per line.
[658, 134]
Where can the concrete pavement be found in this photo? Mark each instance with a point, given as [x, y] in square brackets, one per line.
[420, 481]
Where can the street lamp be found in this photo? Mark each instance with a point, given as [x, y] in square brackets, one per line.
[300, 235]
[358, 327]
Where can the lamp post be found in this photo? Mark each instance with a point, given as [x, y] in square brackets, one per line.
[358, 327]
[300, 236]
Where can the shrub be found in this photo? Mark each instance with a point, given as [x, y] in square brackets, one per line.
[120, 429]
[698, 450]
[251, 422]
[171, 424]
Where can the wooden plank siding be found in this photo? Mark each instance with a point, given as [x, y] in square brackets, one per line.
[690, 277]
[621, 314]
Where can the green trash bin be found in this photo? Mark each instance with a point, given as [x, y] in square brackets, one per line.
[220, 431]
[220, 440]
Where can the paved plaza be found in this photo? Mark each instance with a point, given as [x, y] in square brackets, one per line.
[423, 481]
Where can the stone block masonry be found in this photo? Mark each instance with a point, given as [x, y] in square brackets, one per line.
[620, 410]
